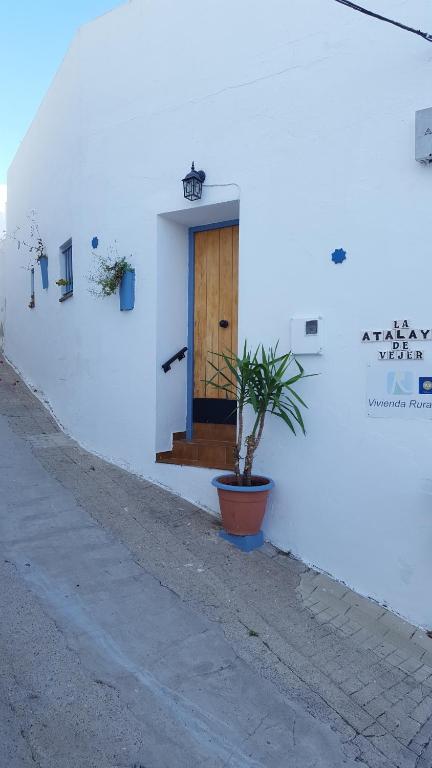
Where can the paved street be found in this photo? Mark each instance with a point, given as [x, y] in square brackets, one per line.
[132, 635]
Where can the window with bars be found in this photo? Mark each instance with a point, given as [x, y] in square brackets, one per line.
[67, 271]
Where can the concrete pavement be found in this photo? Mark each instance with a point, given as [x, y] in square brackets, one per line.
[102, 665]
[133, 635]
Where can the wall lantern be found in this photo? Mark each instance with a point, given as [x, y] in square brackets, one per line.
[192, 184]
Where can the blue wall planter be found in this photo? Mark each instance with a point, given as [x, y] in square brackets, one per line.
[43, 263]
[127, 291]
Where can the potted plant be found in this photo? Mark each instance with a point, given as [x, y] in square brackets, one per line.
[261, 382]
[39, 249]
[115, 273]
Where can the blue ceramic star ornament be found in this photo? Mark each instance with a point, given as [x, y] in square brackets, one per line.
[338, 256]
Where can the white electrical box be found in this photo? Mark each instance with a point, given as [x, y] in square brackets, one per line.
[423, 141]
[306, 335]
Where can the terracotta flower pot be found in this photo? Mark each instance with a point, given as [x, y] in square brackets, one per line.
[242, 507]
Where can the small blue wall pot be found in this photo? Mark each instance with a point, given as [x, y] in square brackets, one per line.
[43, 263]
[127, 291]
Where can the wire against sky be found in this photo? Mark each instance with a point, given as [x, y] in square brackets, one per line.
[359, 8]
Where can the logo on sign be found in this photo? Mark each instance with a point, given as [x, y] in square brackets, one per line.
[398, 394]
[400, 383]
[425, 385]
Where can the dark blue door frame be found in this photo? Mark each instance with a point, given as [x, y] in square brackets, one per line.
[191, 315]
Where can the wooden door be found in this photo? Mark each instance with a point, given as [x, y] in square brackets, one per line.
[215, 318]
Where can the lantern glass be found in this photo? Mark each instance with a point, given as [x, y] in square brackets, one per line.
[192, 189]
[197, 189]
[192, 184]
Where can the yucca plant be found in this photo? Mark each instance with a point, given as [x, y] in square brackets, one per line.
[260, 379]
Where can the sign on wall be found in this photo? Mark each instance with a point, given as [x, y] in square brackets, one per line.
[404, 393]
[401, 341]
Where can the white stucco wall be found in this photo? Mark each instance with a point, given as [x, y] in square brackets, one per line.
[3, 198]
[309, 108]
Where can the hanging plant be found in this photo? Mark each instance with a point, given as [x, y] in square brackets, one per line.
[111, 274]
[34, 245]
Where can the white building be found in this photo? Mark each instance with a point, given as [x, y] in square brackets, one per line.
[3, 196]
[302, 115]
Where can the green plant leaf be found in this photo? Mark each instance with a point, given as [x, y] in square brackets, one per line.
[264, 380]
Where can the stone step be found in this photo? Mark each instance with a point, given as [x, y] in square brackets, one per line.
[201, 451]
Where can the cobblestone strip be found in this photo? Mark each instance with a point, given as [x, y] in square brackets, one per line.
[396, 691]
[370, 625]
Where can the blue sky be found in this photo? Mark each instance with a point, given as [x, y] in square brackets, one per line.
[34, 36]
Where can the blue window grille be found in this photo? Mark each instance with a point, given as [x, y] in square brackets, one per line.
[67, 268]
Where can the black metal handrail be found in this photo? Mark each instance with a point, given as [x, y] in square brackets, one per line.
[179, 356]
